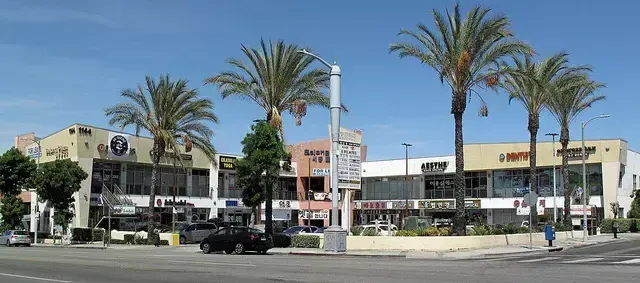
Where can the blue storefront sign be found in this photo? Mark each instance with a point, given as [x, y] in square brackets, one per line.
[231, 203]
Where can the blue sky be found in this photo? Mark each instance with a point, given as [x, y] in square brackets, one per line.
[63, 62]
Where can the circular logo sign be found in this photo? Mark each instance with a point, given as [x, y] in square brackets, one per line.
[516, 203]
[119, 145]
[159, 202]
[502, 157]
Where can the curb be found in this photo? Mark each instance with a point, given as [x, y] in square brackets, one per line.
[69, 247]
[401, 255]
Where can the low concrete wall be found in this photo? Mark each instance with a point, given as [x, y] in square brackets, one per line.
[447, 243]
[119, 235]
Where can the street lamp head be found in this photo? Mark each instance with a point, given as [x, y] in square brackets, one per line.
[407, 144]
[551, 134]
[604, 116]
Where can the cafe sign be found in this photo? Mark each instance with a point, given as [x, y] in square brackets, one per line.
[437, 204]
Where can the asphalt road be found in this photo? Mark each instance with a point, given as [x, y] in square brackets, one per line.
[185, 265]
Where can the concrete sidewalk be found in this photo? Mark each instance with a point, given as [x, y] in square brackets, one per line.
[100, 246]
[463, 254]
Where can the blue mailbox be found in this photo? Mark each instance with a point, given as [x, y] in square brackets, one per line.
[549, 233]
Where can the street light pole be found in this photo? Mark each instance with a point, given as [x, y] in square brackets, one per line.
[406, 180]
[36, 210]
[553, 158]
[584, 177]
[335, 236]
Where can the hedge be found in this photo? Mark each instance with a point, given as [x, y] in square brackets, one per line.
[624, 225]
[305, 241]
[123, 242]
[281, 241]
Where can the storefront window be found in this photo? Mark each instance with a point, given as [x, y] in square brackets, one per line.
[475, 185]
[516, 183]
[390, 188]
[200, 183]
[439, 186]
[104, 175]
[138, 181]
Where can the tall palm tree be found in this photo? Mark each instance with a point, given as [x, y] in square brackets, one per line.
[278, 79]
[173, 114]
[467, 54]
[568, 102]
[533, 85]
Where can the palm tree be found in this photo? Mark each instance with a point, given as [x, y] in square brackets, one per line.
[467, 54]
[279, 80]
[533, 85]
[173, 114]
[567, 103]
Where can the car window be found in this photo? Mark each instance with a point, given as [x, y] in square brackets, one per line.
[21, 233]
[221, 231]
[209, 226]
[7, 233]
[306, 230]
[237, 230]
[201, 227]
[191, 227]
[255, 231]
[294, 229]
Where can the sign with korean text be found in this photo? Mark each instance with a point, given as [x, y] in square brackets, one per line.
[306, 214]
[374, 205]
[321, 172]
[227, 162]
[401, 204]
[437, 204]
[317, 155]
[349, 159]
[472, 204]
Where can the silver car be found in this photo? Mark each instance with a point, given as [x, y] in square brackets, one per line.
[15, 238]
[196, 232]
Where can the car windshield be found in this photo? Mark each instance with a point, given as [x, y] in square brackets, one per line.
[294, 229]
[22, 233]
[254, 231]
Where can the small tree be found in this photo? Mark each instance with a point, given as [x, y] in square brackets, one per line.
[634, 212]
[11, 211]
[258, 171]
[615, 208]
[16, 170]
[56, 182]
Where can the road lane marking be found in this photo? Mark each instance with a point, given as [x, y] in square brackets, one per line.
[635, 260]
[497, 259]
[538, 259]
[214, 263]
[584, 260]
[33, 278]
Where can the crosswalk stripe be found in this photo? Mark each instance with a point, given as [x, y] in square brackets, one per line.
[635, 260]
[583, 260]
[538, 259]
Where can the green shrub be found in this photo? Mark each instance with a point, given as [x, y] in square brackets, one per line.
[422, 232]
[561, 227]
[523, 230]
[497, 231]
[356, 230]
[305, 241]
[369, 232]
[117, 242]
[480, 230]
[624, 225]
[510, 229]
[445, 231]
[407, 233]
[97, 234]
[81, 234]
[281, 241]
[129, 239]
[139, 240]
[432, 231]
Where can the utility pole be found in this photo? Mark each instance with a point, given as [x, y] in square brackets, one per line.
[309, 197]
[406, 180]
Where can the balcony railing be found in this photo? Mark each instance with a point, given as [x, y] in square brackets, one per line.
[285, 195]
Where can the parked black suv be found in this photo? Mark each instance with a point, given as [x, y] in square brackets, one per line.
[238, 240]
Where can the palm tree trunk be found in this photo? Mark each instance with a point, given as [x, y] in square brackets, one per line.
[152, 202]
[534, 125]
[459, 103]
[564, 142]
[268, 210]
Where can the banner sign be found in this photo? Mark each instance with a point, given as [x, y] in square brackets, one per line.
[349, 159]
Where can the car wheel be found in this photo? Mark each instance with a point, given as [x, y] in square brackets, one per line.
[239, 249]
[206, 248]
[228, 251]
[183, 240]
[8, 243]
[262, 252]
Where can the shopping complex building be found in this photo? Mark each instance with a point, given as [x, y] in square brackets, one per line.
[496, 180]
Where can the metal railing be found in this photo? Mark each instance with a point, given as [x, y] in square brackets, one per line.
[285, 195]
[121, 196]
